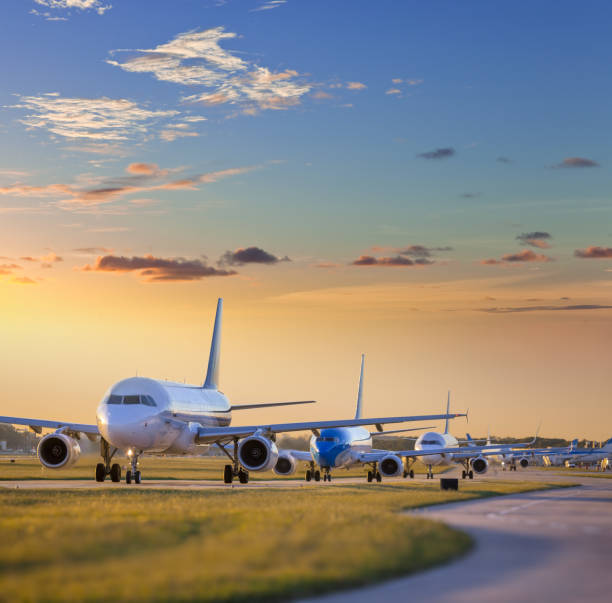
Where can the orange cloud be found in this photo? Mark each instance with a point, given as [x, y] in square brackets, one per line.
[594, 252]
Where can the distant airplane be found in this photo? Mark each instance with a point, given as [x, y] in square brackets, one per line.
[587, 456]
[342, 448]
[144, 415]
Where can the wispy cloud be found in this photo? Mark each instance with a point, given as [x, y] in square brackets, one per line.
[395, 261]
[249, 255]
[442, 153]
[576, 162]
[94, 5]
[355, 86]
[513, 309]
[196, 58]
[391, 91]
[594, 253]
[269, 5]
[526, 255]
[142, 178]
[155, 269]
[23, 280]
[535, 239]
[104, 119]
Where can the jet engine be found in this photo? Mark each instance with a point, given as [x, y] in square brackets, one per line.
[391, 466]
[480, 465]
[285, 465]
[58, 451]
[524, 462]
[257, 453]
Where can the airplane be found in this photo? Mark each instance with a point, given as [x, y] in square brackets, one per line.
[342, 448]
[588, 456]
[143, 415]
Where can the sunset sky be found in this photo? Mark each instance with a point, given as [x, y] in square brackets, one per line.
[427, 183]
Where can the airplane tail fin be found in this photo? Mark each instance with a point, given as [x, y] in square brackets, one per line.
[447, 412]
[212, 374]
[608, 445]
[360, 391]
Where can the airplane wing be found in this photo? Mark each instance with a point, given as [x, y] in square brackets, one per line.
[267, 404]
[213, 434]
[298, 455]
[38, 424]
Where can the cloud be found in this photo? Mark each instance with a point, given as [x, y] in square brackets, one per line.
[594, 252]
[508, 310]
[355, 86]
[526, 255]
[92, 250]
[320, 95]
[142, 168]
[503, 159]
[576, 162]
[399, 260]
[535, 239]
[249, 255]
[48, 259]
[196, 58]
[8, 268]
[421, 250]
[442, 153]
[23, 280]
[393, 91]
[268, 5]
[170, 135]
[94, 5]
[75, 196]
[326, 265]
[157, 269]
[88, 118]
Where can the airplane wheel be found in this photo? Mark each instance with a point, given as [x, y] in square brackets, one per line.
[100, 472]
[411, 474]
[308, 475]
[243, 476]
[329, 477]
[115, 473]
[137, 477]
[370, 476]
[405, 474]
[378, 477]
[228, 474]
[463, 474]
[471, 474]
[317, 476]
[128, 477]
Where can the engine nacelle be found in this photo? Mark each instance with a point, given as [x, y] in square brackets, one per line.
[524, 462]
[391, 466]
[58, 451]
[257, 453]
[285, 465]
[480, 465]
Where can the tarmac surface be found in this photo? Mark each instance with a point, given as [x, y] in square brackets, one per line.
[552, 545]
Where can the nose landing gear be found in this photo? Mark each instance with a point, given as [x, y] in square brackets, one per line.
[133, 473]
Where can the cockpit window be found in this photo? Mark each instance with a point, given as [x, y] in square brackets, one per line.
[146, 400]
[326, 439]
[431, 442]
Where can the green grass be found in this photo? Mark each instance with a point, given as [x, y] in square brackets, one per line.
[153, 468]
[221, 545]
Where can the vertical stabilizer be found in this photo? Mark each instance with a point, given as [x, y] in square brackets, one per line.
[212, 374]
[360, 391]
[447, 411]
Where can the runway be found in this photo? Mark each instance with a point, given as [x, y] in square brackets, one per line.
[542, 546]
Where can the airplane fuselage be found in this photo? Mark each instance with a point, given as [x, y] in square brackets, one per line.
[433, 439]
[150, 415]
[338, 448]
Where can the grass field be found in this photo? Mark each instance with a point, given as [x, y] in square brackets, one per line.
[221, 545]
[154, 467]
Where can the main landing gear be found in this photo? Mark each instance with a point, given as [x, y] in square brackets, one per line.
[467, 470]
[326, 474]
[374, 474]
[233, 470]
[105, 468]
[408, 471]
[430, 474]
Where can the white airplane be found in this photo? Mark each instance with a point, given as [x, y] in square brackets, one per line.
[585, 456]
[343, 448]
[144, 415]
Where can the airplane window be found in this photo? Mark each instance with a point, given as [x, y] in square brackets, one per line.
[327, 439]
[431, 442]
[147, 400]
[114, 399]
[131, 399]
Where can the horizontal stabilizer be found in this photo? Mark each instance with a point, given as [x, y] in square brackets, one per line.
[379, 433]
[266, 404]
